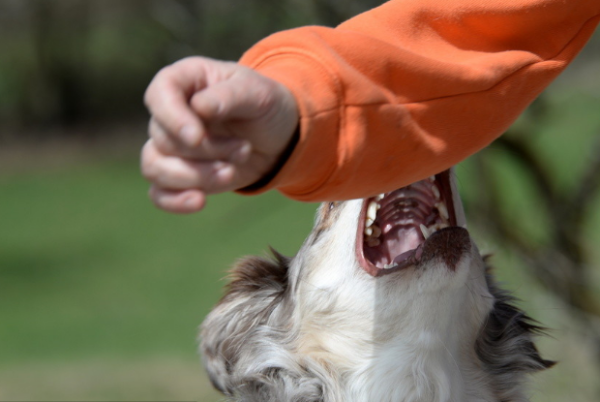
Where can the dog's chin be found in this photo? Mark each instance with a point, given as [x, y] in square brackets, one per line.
[303, 329]
[404, 228]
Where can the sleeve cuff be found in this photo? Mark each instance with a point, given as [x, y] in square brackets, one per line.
[301, 169]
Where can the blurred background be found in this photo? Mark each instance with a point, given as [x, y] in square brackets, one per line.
[101, 294]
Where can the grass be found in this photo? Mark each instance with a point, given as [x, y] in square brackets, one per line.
[89, 268]
[101, 294]
[149, 379]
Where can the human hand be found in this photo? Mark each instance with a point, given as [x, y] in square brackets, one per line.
[215, 126]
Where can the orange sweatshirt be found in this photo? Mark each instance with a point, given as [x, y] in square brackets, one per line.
[412, 87]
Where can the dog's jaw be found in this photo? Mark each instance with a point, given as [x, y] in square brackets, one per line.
[417, 346]
[393, 227]
[321, 328]
[353, 320]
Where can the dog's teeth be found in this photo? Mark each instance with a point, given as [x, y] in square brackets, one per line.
[369, 230]
[368, 222]
[425, 231]
[372, 210]
[436, 192]
[441, 207]
[438, 226]
[380, 197]
[373, 242]
[375, 230]
[388, 266]
[432, 178]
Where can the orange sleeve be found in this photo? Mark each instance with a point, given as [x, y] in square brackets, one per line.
[412, 87]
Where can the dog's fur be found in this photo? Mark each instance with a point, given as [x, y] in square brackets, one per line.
[318, 328]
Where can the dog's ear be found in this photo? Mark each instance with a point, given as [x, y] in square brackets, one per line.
[243, 317]
[505, 344]
[279, 385]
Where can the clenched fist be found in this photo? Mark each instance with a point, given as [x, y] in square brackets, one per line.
[215, 126]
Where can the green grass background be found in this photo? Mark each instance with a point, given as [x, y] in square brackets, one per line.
[96, 283]
[101, 294]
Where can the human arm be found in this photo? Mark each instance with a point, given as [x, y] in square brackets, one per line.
[413, 87]
[397, 93]
[215, 127]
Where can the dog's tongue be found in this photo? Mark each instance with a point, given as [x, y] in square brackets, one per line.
[401, 242]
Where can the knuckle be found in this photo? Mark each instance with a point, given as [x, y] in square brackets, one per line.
[149, 171]
[163, 145]
[161, 202]
[218, 177]
[163, 142]
[147, 97]
[149, 167]
[265, 97]
[189, 61]
[164, 73]
[159, 78]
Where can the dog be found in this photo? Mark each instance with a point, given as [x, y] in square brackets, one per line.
[388, 300]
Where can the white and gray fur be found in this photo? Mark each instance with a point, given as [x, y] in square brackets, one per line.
[319, 328]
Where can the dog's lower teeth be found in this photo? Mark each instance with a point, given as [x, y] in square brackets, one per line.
[388, 266]
[372, 231]
[441, 207]
[373, 242]
[425, 231]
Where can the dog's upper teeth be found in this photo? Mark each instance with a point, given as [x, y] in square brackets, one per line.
[443, 210]
[372, 210]
[376, 231]
[373, 232]
[437, 226]
[432, 179]
[425, 231]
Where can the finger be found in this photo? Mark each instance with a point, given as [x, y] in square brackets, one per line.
[165, 143]
[211, 148]
[180, 202]
[168, 94]
[176, 173]
[245, 96]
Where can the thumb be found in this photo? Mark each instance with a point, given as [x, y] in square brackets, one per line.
[241, 97]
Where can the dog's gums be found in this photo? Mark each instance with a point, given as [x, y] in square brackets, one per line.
[393, 227]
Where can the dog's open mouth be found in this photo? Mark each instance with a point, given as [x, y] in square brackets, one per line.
[393, 227]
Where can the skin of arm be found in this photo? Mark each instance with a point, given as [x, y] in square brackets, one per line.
[215, 127]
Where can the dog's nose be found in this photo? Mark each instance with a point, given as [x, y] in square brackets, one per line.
[447, 244]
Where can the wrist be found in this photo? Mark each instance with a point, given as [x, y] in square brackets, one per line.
[264, 181]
